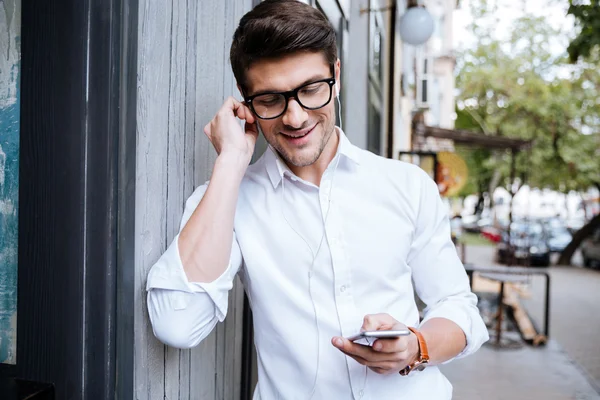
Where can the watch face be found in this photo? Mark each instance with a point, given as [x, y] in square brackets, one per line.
[420, 367]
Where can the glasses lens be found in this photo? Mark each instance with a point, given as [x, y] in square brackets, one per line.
[315, 95]
[269, 105]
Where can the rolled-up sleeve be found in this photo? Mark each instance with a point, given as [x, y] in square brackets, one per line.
[183, 313]
[439, 277]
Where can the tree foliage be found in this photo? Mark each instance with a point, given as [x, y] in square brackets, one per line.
[587, 17]
[519, 88]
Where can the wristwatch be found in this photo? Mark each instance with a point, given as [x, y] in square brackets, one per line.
[421, 362]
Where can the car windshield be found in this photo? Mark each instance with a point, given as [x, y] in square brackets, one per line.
[531, 230]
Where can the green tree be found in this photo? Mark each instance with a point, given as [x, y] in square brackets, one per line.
[587, 17]
[518, 88]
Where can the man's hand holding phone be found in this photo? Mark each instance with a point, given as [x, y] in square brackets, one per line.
[226, 134]
[384, 355]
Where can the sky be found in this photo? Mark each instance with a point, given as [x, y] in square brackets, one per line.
[509, 11]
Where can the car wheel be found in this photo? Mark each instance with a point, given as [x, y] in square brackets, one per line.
[586, 261]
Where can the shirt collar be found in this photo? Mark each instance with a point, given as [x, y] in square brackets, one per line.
[276, 168]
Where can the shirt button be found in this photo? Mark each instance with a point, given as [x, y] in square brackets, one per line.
[361, 393]
[343, 289]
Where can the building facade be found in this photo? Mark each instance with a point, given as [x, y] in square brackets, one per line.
[429, 81]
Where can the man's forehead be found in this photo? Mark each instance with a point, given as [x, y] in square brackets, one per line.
[285, 73]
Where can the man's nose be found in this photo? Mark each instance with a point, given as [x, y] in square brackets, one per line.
[295, 116]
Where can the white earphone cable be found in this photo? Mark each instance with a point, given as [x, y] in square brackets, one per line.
[315, 254]
[339, 109]
[310, 271]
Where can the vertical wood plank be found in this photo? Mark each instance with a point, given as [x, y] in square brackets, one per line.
[232, 332]
[209, 93]
[152, 125]
[191, 128]
[175, 166]
[232, 377]
[189, 133]
[226, 330]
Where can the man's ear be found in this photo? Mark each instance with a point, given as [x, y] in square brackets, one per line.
[338, 75]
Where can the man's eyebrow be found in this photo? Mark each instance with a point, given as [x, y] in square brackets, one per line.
[313, 78]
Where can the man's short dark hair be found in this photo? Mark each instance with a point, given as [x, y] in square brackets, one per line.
[276, 28]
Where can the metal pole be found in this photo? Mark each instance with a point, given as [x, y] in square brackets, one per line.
[392, 83]
[547, 316]
[513, 172]
[500, 314]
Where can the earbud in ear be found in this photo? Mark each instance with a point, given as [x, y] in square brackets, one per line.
[337, 89]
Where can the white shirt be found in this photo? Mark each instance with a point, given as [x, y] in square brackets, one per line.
[385, 228]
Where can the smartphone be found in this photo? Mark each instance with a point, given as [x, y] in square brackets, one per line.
[379, 335]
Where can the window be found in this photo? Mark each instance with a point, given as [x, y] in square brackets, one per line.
[376, 70]
[376, 50]
[333, 12]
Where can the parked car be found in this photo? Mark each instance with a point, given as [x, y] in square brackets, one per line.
[492, 234]
[590, 249]
[558, 238]
[526, 244]
[469, 223]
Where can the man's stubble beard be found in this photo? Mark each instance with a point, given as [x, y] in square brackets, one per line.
[288, 158]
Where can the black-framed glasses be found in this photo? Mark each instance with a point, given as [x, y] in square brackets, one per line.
[311, 96]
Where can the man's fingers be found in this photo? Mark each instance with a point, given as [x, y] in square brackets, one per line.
[379, 365]
[378, 322]
[391, 345]
[364, 352]
[242, 111]
[358, 359]
[231, 104]
[238, 109]
[383, 367]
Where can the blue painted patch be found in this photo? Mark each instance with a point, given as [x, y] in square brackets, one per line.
[9, 201]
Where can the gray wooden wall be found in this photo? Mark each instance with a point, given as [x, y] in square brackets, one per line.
[183, 77]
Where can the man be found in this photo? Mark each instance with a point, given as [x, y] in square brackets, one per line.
[327, 238]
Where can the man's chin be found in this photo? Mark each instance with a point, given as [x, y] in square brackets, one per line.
[300, 157]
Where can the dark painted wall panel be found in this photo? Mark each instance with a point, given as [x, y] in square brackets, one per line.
[73, 137]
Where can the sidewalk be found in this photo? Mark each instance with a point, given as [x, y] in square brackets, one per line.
[544, 373]
[532, 373]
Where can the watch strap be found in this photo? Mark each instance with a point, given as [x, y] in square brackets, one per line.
[423, 358]
[424, 352]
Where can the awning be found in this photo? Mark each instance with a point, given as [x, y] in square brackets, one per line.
[471, 138]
